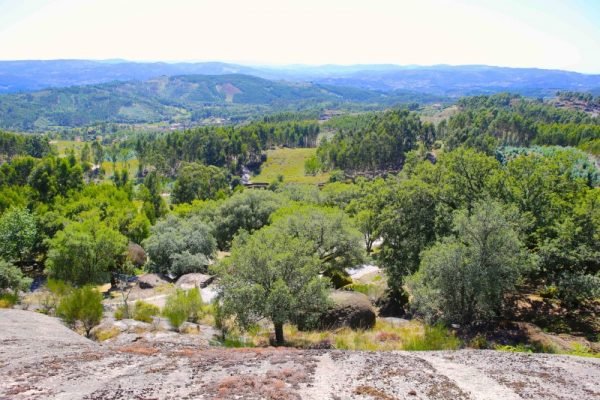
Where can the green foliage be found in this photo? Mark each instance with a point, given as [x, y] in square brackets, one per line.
[86, 252]
[196, 181]
[327, 232]
[436, 337]
[464, 279]
[272, 276]
[144, 312]
[576, 288]
[249, 210]
[83, 305]
[178, 246]
[141, 311]
[12, 278]
[485, 121]
[18, 234]
[183, 306]
[377, 144]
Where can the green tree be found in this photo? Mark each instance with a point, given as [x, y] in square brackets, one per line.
[249, 210]
[97, 152]
[464, 278]
[86, 252]
[199, 181]
[272, 276]
[86, 153]
[82, 305]
[179, 246]
[328, 233]
[18, 234]
[12, 278]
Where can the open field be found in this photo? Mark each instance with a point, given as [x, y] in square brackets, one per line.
[290, 164]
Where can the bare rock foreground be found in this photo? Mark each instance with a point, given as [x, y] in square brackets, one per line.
[42, 359]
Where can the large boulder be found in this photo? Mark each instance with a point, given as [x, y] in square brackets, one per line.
[136, 254]
[194, 280]
[150, 281]
[351, 309]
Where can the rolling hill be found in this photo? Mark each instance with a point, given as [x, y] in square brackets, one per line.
[27, 76]
[187, 98]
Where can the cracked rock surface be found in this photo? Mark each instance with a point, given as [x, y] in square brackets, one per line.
[42, 359]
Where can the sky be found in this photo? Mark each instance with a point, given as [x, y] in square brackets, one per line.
[556, 34]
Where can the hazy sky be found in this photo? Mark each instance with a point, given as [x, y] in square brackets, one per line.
[561, 34]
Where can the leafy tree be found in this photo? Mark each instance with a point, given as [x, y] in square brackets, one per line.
[18, 234]
[179, 246]
[86, 252]
[82, 305]
[464, 278]
[150, 193]
[272, 276]
[198, 181]
[97, 152]
[327, 232]
[249, 210]
[12, 278]
[408, 226]
[86, 153]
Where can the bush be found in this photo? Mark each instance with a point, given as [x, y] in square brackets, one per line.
[436, 337]
[56, 291]
[82, 305]
[144, 311]
[121, 312]
[12, 278]
[8, 300]
[574, 289]
[182, 306]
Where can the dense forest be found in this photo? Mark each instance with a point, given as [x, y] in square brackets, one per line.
[466, 217]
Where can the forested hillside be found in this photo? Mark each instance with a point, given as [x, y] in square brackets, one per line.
[183, 99]
[473, 227]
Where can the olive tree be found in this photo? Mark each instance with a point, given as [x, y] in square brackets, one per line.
[18, 233]
[464, 278]
[272, 276]
[178, 246]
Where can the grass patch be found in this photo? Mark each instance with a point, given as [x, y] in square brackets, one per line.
[8, 300]
[383, 337]
[290, 164]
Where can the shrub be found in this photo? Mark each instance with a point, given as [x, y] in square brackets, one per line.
[144, 311]
[574, 289]
[182, 306]
[120, 312]
[8, 300]
[435, 337]
[82, 305]
[56, 290]
[12, 278]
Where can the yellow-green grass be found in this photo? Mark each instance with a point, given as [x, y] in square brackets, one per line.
[131, 166]
[413, 335]
[64, 146]
[290, 164]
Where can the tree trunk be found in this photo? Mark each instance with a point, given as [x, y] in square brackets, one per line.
[279, 341]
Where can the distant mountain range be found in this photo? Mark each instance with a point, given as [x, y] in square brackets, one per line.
[27, 76]
[188, 99]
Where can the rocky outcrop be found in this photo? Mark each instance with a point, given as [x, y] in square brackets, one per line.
[41, 359]
[350, 309]
[194, 280]
[150, 281]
